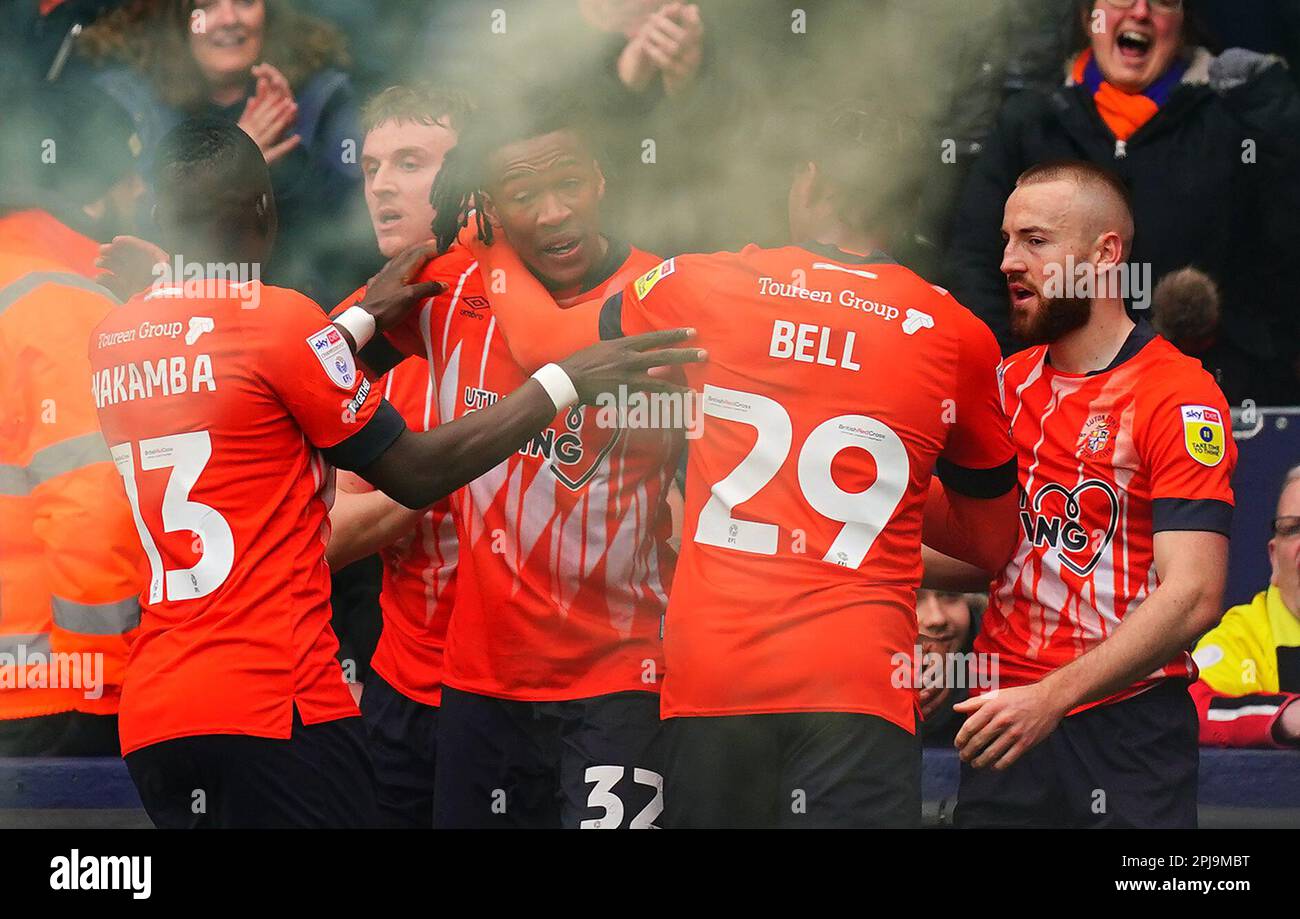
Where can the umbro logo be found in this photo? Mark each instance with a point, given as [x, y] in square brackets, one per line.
[472, 306]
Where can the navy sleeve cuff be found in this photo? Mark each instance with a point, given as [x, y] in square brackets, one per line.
[369, 443]
[1206, 514]
[380, 355]
[611, 318]
[977, 483]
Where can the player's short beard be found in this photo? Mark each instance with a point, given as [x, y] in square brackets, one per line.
[1055, 318]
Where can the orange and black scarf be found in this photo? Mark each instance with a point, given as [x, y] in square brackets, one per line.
[1124, 112]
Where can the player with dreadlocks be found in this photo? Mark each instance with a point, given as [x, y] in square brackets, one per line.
[550, 706]
[838, 382]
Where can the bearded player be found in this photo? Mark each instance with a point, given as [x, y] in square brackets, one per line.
[838, 383]
[1125, 458]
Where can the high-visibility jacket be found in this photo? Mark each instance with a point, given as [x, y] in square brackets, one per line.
[1250, 672]
[71, 565]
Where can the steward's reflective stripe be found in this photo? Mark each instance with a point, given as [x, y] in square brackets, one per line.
[14, 291]
[54, 460]
[116, 618]
[13, 644]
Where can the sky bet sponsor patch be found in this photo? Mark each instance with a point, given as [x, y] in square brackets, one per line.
[1203, 433]
[331, 349]
[647, 281]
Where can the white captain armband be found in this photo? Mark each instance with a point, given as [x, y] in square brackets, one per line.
[359, 323]
[557, 385]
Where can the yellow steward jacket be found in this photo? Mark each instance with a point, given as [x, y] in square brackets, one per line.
[1250, 672]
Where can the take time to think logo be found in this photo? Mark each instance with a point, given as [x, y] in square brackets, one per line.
[1203, 433]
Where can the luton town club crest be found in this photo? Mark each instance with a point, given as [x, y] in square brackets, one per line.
[1098, 435]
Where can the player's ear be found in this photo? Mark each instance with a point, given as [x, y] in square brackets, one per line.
[600, 180]
[262, 211]
[490, 210]
[805, 179]
[1110, 250]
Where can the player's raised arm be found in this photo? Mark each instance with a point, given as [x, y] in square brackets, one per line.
[389, 296]
[419, 468]
[129, 265]
[943, 572]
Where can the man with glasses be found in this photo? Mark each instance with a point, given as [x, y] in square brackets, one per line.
[1250, 662]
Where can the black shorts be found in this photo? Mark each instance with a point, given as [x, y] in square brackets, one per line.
[320, 777]
[588, 763]
[403, 736]
[800, 769]
[1129, 764]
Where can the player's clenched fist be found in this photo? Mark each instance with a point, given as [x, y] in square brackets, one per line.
[603, 367]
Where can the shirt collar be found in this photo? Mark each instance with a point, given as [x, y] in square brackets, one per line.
[1141, 335]
[615, 255]
[876, 257]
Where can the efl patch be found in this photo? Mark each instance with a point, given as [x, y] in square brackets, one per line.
[644, 284]
[332, 350]
[1203, 434]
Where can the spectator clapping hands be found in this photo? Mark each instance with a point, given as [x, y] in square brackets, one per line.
[669, 42]
[270, 112]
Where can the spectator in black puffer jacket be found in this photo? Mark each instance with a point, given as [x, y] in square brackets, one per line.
[1210, 150]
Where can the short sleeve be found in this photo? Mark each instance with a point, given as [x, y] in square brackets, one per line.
[668, 296]
[978, 458]
[311, 369]
[1186, 444]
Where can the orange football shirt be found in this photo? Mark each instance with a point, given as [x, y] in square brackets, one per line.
[564, 563]
[835, 385]
[419, 570]
[1107, 460]
[224, 410]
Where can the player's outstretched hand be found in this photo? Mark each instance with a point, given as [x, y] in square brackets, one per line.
[130, 265]
[606, 365]
[391, 293]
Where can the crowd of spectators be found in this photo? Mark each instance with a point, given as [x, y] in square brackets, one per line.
[699, 104]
